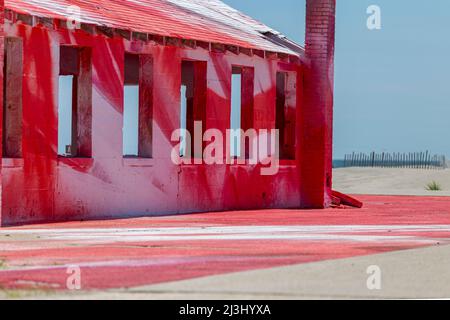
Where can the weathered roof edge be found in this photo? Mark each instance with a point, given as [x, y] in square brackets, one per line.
[294, 52]
[264, 30]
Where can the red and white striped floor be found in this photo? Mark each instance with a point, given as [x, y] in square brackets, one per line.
[135, 252]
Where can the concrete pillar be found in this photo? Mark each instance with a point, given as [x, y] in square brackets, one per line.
[2, 61]
[317, 109]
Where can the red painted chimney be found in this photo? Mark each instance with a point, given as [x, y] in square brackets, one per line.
[317, 110]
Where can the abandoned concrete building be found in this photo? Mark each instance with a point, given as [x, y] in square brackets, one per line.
[93, 91]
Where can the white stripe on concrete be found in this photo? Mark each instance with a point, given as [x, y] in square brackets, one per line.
[305, 233]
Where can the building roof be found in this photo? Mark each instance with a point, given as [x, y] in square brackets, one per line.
[201, 20]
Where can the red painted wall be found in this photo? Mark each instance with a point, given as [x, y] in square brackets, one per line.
[316, 145]
[43, 187]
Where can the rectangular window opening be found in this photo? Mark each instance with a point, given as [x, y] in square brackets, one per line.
[236, 94]
[138, 106]
[75, 102]
[242, 95]
[12, 98]
[286, 113]
[192, 107]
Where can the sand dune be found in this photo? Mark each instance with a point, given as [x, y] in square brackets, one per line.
[390, 181]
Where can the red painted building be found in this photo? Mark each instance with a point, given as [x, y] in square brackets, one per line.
[159, 47]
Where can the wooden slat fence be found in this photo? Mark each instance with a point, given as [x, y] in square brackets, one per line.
[416, 160]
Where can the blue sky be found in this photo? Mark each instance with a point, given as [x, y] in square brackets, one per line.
[392, 90]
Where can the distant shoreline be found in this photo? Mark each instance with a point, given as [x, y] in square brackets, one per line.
[338, 163]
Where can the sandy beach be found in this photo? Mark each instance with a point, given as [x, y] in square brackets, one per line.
[391, 181]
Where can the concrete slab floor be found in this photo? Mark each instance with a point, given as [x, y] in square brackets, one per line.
[269, 254]
[412, 274]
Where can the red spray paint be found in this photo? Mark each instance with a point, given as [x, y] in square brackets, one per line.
[163, 249]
